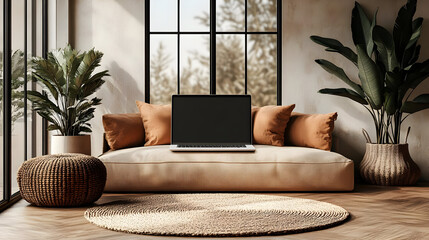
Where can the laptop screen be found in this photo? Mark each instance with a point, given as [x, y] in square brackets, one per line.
[211, 119]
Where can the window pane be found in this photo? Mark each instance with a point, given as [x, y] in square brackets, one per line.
[163, 68]
[18, 65]
[30, 85]
[262, 15]
[194, 64]
[1, 101]
[262, 69]
[163, 15]
[230, 15]
[230, 64]
[195, 15]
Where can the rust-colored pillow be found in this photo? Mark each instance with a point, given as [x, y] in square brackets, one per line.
[310, 130]
[157, 123]
[123, 130]
[269, 124]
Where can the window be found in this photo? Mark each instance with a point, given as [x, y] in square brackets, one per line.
[213, 47]
[16, 119]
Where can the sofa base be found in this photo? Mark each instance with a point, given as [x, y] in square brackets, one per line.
[269, 168]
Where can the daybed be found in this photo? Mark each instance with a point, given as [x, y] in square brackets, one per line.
[269, 168]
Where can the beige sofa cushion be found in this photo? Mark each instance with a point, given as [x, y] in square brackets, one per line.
[270, 168]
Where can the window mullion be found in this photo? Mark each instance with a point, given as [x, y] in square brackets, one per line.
[178, 46]
[212, 46]
[245, 46]
[279, 52]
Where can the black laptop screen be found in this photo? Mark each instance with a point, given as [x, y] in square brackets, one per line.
[211, 119]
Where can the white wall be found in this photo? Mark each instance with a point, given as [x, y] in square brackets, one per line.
[116, 27]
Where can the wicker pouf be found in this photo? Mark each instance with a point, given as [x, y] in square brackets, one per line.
[62, 180]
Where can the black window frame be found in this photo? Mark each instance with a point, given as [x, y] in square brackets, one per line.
[9, 198]
[212, 33]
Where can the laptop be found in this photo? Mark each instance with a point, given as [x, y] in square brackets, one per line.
[211, 123]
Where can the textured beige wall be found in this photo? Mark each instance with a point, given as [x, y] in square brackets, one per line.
[116, 27]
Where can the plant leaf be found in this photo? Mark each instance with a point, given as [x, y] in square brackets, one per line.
[417, 30]
[362, 28]
[339, 72]
[393, 81]
[386, 47]
[390, 102]
[344, 92]
[335, 46]
[370, 77]
[419, 103]
[403, 29]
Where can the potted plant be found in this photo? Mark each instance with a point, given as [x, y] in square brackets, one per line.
[68, 80]
[388, 74]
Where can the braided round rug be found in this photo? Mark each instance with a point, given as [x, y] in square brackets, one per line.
[215, 215]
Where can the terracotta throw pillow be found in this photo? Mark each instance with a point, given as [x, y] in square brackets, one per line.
[157, 123]
[123, 130]
[310, 130]
[269, 124]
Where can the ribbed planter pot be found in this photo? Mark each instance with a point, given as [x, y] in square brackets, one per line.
[389, 165]
[71, 144]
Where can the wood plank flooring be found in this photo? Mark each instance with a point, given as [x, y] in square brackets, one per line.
[377, 213]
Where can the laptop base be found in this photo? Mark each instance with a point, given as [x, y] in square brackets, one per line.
[247, 148]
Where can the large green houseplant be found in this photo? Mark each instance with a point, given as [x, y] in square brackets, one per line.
[68, 80]
[388, 74]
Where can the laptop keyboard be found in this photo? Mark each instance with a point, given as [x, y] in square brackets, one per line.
[211, 146]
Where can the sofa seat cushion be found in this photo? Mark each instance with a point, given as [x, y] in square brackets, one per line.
[269, 168]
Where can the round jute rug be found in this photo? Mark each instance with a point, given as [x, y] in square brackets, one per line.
[215, 215]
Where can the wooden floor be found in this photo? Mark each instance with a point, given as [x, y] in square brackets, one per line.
[377, 213]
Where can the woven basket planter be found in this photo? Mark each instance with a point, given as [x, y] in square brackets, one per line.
[389, 164]
[62, 180]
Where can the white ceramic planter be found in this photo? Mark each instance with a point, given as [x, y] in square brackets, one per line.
[71, 144]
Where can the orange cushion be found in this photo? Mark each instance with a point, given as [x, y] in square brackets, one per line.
[123, 130]
[310, 130]
[157, 123]
[269, 124]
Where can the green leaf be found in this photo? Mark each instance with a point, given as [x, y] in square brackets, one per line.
[85, 129]
[344, 92]
[370, 77]
[417, 30]
[385, 47]
[403, 29]
[40, 99]
[415, 75]
[362, 28]
[419, 103]
[48, 85]
[393, 81]
[390, 102]
[339, 72]
[335, 46]
[91, 60]
[412, 55]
